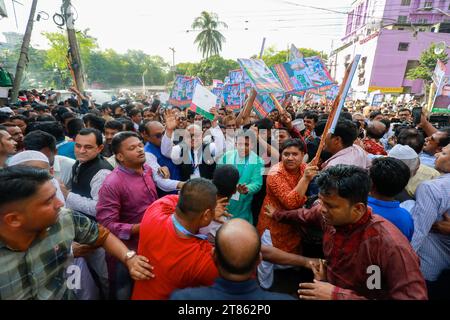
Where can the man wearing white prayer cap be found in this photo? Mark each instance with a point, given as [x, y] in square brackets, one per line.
[35, 159]
[419, 172]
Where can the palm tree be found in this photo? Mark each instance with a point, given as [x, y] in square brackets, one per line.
[209, 40]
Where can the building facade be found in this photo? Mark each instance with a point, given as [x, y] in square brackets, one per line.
[390, 35]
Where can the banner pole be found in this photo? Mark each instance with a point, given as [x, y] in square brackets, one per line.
[337, 107]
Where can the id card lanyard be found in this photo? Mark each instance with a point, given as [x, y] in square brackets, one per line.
[186, 232]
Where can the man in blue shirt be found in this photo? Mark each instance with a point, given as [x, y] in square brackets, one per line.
[432, 203]
[236, 255]
[389, 177]
[153, 134]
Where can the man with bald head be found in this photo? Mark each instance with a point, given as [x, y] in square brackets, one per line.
[153, 134]
[237, 253]
[375, 131]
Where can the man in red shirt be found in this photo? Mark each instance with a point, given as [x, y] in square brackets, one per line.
[367, 257]
[169, 237]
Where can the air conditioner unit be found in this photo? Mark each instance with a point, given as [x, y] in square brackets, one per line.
[3, 12]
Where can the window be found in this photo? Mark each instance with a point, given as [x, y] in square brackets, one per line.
[411, 65]
[349, 23]
[428, 4]
[407, 90]
[406, 2]
[422, 21]
[403, 46]
[402, 19]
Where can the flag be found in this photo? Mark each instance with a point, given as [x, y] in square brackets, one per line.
[260, 76]
[202, 101]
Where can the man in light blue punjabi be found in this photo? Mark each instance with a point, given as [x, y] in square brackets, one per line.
[251, 169]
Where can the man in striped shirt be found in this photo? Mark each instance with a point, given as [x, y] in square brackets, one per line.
[432, 202]
[36, 235]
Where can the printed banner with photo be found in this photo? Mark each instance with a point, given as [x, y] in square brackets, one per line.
[294, 53]
[233, 96]
[202, 101]
[218, 92]
[261, 77]
[183, 90]
[442, 101]
[217, 83]
[303, 74]
[264, 104]
[238, 76]
[330, 92]
[439, 73]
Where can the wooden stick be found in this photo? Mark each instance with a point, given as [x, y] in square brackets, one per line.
[277, 104]
[330, 119]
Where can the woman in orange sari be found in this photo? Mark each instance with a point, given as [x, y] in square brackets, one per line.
[287, 183]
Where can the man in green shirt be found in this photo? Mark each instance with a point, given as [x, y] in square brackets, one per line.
[251, 169]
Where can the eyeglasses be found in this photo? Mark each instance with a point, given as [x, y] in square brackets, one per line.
[158, 135]
[182, 118]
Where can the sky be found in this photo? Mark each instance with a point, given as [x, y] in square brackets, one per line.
[154, 26]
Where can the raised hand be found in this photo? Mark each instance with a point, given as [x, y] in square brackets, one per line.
[171, 120]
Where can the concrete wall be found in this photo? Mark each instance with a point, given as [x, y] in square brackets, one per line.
[390, 64]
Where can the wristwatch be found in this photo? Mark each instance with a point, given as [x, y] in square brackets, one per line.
[130, 254]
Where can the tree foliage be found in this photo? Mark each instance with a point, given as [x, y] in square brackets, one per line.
[209, 40]
[107, 68]
[427, 64]
[214, 67]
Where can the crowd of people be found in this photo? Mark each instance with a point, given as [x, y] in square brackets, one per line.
[132, 199]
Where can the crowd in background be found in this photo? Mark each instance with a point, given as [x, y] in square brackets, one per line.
[157, 202]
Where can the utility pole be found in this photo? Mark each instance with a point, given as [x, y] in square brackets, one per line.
[143, 81]
[74, 49]
[23, 58]
[173, 62]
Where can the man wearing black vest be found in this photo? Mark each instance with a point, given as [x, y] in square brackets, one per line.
[196, 158]
[88, 174]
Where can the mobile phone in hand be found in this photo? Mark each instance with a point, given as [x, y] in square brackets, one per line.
[417, 114]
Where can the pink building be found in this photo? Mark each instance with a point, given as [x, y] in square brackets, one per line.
[390, 35]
